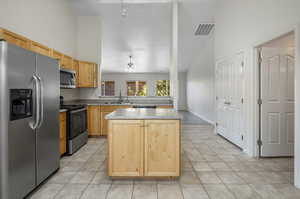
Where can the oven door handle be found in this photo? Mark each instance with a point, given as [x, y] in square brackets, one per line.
[37, 103]
[79, 110]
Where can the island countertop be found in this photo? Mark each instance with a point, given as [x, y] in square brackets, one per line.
[144, 114]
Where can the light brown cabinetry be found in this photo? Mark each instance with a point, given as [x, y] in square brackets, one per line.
[105, 110]
[88, 75]
[97, 124]
[63, 133]
[94, 121]
[40, 48]
[76, 68]
[57, 55]
[86, 72]
[67, 62]
[162, 148]
[126, 148]
[165, 106]
[14, 38]
[156, 142]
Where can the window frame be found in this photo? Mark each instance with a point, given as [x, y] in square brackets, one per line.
[137, 88]
[103, 94]
[156, 91]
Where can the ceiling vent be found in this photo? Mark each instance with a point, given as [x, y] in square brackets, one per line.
[204, 29]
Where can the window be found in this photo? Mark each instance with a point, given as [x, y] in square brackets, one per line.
[162, 88]
[108, 88]
[136, 88]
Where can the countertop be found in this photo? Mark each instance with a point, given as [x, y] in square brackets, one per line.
[62, 110]
[144, 114]
[113, 103]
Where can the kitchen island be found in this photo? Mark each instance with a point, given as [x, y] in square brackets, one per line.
[144, 143]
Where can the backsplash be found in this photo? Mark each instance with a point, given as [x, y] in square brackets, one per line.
[70, 94]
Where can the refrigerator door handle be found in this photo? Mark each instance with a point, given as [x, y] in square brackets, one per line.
[37, 108]
[41, 87]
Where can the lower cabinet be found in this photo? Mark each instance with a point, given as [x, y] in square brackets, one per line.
[165, 106]
[94, 120]
[162, 148]
[104, 122]
[126, 148]
[144, 148]
[97, 124]
[63, 133]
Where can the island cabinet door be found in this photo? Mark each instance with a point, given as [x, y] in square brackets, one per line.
[162, 148]
[125, 140]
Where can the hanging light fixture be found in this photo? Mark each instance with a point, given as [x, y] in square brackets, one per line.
[130, 65]
[123, 9]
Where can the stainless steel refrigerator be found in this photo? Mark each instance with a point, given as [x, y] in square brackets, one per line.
[29, 120]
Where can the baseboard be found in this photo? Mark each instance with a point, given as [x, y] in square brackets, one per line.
[203, 118]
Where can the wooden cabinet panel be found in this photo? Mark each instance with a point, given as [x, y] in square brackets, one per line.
[40, 48]
[94, 120]
[57, 55]
[88, 75]
[125, 148]
[105, 110]
[162, 148]
[76, 68]
[67, 62]
[165, 106]
[104, 123]
[14, 38]
[63, 133]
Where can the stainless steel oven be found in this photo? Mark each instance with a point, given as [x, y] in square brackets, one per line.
[77, 133]
[67, 78]
[77, 122]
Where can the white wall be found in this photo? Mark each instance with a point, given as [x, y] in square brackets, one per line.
[51, 23]
[241, 25]
[182, 92]
[200, 83]
[70, 94]
[89, 48]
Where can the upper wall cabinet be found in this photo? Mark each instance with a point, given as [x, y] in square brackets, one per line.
[67, 62]
[86, 72]
[88, 75]
[57, 55]
[14, 38]
[76, 68]
[40, 48]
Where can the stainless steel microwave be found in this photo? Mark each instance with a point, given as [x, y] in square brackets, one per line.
[67, 78]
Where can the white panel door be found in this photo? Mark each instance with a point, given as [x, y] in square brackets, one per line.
[229, 88]
[221, 86]
[277, 109]
[237, 99]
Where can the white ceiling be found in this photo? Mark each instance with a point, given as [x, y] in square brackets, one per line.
[146, 32]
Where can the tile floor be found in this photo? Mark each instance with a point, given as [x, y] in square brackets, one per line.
[212, 168]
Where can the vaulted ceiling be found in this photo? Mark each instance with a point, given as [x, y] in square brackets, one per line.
[145, 33]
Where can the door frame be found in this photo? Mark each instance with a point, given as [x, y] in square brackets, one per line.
[254, 148]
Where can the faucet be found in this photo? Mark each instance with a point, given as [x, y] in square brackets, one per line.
[120, 98]
[127, 100]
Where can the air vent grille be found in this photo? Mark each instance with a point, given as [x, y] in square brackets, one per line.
[204, 29]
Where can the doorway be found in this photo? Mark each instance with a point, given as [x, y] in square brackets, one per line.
[276, 62]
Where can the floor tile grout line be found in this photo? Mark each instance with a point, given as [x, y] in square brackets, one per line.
[107, 192]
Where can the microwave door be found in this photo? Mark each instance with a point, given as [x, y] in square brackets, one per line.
[67, 79]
